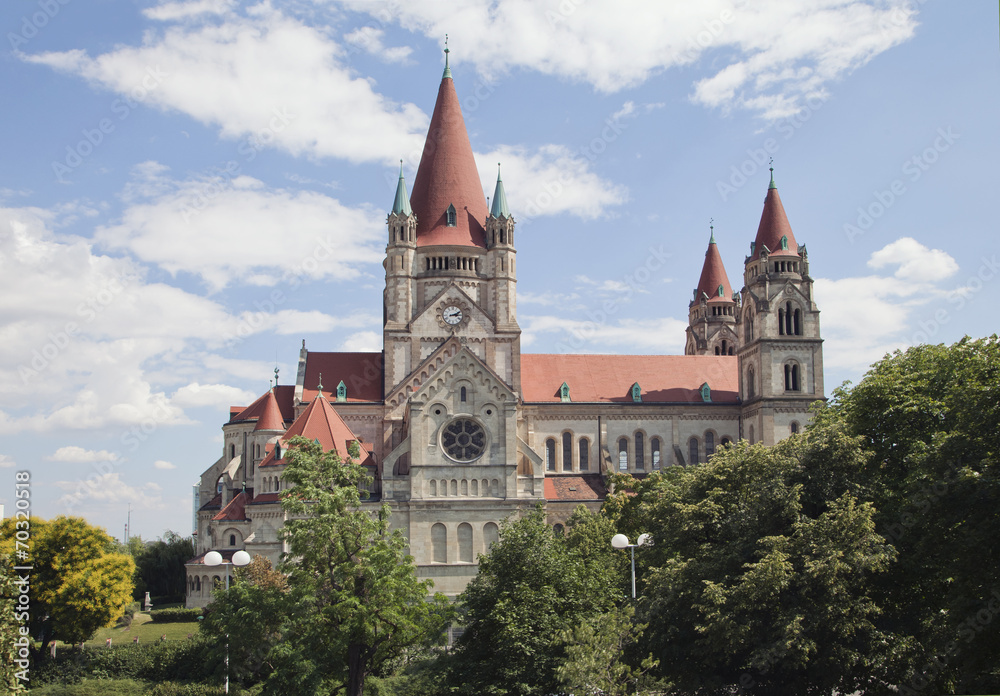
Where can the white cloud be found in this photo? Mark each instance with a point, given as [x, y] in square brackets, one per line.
[217, 395]
[916, 263]
[164, 465]
[863, 318]
[363, 342]
[84, 494]
[767, 57]
[265, 79]
[76, 454]
[6, 462]
[549, 180]
[227, 229]
[182, 10]
[634, 336]
[293, 321]
[369, 39]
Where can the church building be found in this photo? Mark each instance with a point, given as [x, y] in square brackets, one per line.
[460, 430]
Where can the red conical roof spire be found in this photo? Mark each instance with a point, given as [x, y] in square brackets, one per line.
[713, 276]
[271, 418]
[447, 176]
[773, 226]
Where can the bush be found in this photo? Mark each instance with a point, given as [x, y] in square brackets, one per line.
[155, 662]
[174, 615]
[131, 687]
[167, 599]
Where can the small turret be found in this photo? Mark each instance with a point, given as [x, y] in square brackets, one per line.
[712, 310]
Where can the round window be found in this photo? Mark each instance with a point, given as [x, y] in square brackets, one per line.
[464, 440]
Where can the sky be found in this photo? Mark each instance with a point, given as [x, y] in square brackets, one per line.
[189, 189]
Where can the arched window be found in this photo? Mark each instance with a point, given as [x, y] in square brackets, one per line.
[791, 377]
[781, 321]
[584, 454]
[439, 543]
[451, 216]
[443, 490]
[232, 451]
[654, 448]
[434, 487]
[197, 584]
[465, 543]
[232, 540]
[550, 455]
[454, 486]
[725, 442]
[796, 325]
[788, 318]
[465, 487]
[484, 490]
[751, 387]
[693, 450]
[794, 427]
[558, 529]
[709, 444]
[640, 452]
[491, 534]
[567, 446]
[623, 454]
[475, 487]
[463, 395]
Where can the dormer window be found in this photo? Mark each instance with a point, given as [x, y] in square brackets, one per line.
[450, 216]
[784, 243]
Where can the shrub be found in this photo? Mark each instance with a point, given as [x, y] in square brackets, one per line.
[174, 615]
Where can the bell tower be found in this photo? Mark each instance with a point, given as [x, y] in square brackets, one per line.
[781, 353]
[399, 258]
[712, 313]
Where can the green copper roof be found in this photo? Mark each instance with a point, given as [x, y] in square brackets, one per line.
[499, 208]
[772, 186]
[711, 239]
[401, 206]
[447, 70]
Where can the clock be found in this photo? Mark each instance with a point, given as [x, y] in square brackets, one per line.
[452, 315]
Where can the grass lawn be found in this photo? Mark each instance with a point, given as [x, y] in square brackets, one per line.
[143, 628]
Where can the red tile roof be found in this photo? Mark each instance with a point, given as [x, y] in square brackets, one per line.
[447, 175]
[573, 488]
[234, 511]
[773, 226]
[713, 274]
[321, 422]
[361, 373]
[270, 418]
[600, 378]
[265, 498]
[213, 504]
[284, 397]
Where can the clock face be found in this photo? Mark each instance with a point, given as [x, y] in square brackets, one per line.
[452, 315]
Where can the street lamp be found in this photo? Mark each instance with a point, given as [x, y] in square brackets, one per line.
[214, 558]
[620, 541]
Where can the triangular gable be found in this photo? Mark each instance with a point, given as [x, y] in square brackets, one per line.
[321, 422]
[398, 396]
[477, 321]
[470, 366]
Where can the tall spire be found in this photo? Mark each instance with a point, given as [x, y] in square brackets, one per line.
[447, 176]
[772, 186]
[401, 206]
[774, 232]
[713, 282]
[499, 199]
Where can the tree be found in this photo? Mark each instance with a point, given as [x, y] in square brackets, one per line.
[930, 419]
[358, 603]
[10, 631]
[532, 585]
[760, 574]
[160, 566]
[597, 653]
[78, 582]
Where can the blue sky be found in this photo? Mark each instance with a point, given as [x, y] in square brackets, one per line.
[190, 189]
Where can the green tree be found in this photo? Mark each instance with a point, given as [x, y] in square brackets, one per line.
[10, 633]
[597, 656]
[759, 577]
[358, 604]
[930, 418]
[79, 583]
[160, 566]
[532, 586]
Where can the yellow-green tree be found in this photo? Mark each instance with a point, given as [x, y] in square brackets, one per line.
[79, 583]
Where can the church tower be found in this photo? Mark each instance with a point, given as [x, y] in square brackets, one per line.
[781, 357]
[712, 313]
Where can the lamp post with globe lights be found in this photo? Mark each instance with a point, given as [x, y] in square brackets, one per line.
[620, 541]
[214, 558]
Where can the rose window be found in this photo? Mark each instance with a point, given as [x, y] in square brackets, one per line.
[464, 440]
